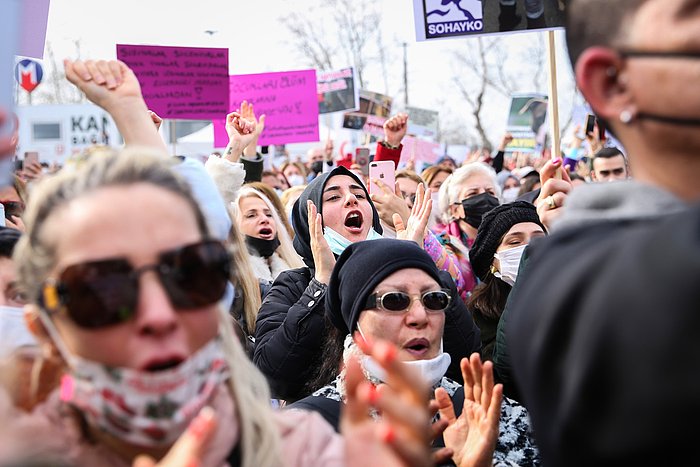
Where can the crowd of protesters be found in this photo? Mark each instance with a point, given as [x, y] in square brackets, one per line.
[506, 309]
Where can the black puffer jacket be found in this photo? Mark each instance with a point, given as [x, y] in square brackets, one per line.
[290, 326]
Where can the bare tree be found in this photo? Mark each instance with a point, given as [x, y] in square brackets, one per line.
[356, 37]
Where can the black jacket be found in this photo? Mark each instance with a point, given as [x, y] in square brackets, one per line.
[605, 342]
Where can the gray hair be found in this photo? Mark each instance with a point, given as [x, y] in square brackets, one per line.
[452, 186]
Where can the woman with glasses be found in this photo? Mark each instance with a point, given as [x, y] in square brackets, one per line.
[391, 290]
[130, 300]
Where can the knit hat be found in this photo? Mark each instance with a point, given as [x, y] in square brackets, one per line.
[314, 192]
[361, 267]
[494, 225]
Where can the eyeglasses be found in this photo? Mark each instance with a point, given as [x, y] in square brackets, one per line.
[434, 301]
[12, 208]
[103, 293]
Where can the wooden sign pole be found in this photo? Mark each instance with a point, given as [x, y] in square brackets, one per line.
[553, 96]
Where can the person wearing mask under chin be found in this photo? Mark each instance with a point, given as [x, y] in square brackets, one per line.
[495, 256]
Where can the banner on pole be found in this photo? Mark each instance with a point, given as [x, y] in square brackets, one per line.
[444, 19]
[374, 110]
[288, 99]
[527, 122]
[337, 91]
[180, 82]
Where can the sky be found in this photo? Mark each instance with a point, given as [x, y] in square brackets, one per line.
[258, 42]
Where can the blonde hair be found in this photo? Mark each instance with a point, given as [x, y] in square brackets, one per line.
[285, 250]
[289, 194]
[36, 255]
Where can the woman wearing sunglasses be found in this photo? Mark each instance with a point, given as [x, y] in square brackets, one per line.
[391, 290]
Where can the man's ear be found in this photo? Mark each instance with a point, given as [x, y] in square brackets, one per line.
[602, 78]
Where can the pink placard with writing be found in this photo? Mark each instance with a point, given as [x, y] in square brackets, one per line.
[180, 82]
[32, 32]
[288, 99]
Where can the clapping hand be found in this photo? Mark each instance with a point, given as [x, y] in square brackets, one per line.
[415, 228]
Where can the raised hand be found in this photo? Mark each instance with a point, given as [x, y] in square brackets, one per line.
[395, 129]
[105, 83]
[402, 436]
[415, 228]
[389, 202]
[550, 202]
[248, 113]
[241, 132]
[190, 448]
[323, 256]
[473, 435]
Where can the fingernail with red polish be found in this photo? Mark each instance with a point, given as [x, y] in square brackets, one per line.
[201, 422]
[373, 395]
[388, 435]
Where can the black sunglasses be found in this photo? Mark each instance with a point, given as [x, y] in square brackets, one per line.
[437, 300]
[103, 293]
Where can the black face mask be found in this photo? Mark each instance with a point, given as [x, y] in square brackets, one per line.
[646, 54]
[476, 206]
[317, 167]
[264, 248]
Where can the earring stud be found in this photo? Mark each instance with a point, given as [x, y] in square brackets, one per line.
[626, 117]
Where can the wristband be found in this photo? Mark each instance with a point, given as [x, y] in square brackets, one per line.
[390, 146]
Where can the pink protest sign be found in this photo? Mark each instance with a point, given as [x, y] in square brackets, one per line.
[288, 99]
[419, 150]
[35, 18]
[180, 82]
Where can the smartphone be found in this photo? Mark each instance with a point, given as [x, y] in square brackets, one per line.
[590, 123]
[601, 129]
[384, 171]
[362, 159]
[31, 157]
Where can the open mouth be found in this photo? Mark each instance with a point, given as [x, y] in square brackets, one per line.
[163, 365]
[353, 221]
[417, 347]
[265, 233]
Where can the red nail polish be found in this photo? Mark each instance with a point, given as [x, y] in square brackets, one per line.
[390, 354]
[373, 395]
[388, 436]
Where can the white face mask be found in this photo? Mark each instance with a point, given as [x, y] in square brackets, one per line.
[143, 408]
[509, 264]
[431, 370]
[13, 330]
[337, 243]
[510, 194]
[295, 180]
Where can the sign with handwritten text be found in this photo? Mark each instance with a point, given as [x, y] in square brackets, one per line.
[180, 82]
[288, 99]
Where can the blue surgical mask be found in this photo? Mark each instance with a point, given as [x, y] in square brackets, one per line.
[338, 243]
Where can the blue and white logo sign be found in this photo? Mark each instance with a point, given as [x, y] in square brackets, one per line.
[444, 18]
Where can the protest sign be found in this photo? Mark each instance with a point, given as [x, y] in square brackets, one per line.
[423, 122]
[371, 104]
[442, 19]
[526, 122]
[180, 82]
[419, 150]
[337, 91]
[288, 99]
[32, 33]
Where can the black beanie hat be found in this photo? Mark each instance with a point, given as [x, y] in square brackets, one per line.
[314, 192]
[361, 267]
[494, 225]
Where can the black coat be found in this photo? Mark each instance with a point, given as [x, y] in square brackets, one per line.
[290, 328]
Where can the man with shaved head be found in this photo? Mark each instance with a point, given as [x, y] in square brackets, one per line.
[603, 324]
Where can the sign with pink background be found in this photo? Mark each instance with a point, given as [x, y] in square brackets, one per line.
[288, 99]
[180, 82]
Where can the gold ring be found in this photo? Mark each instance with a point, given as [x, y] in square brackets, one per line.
[550, 202]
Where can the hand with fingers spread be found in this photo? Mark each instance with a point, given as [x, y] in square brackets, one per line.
[403, 435]
[248, 113]
[190, 448]
[417, 225]
[323, 256]
[395, 129]
[472, 435]
[550, 202]
[241, 132]
[389, 202]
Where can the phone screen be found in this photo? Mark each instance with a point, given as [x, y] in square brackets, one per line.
[362, 159]
[590, 124]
